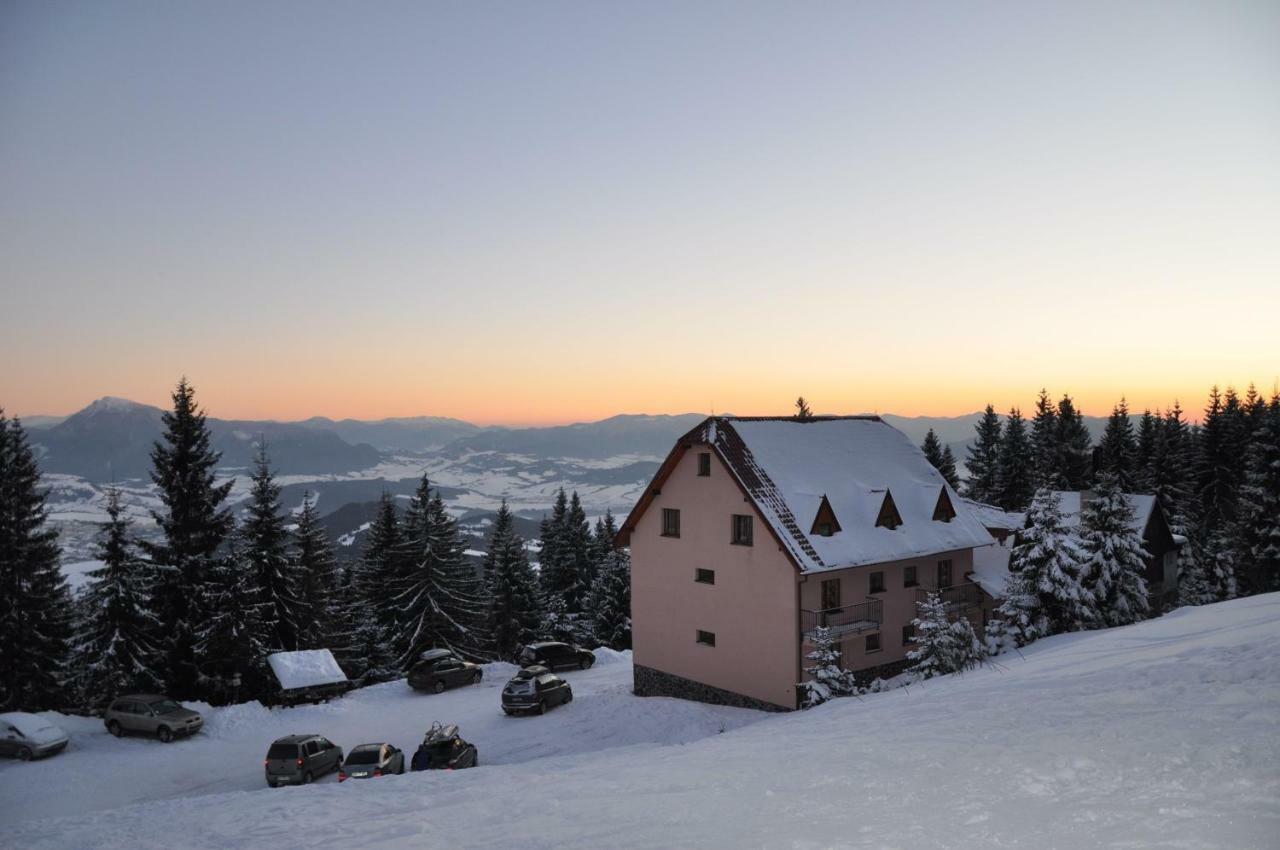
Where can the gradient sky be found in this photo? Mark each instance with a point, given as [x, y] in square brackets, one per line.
[549, 212]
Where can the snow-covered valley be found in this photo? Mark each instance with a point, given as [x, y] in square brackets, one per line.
[1165, 733]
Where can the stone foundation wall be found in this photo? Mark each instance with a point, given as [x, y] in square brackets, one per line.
[648, 682]
[868, 675]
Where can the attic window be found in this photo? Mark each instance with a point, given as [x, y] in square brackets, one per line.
[889, 517]
[704, 464]
[943, 511]
[825, 523]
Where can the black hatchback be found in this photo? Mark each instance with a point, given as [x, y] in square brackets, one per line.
[438, 669]
[555, 656]
[534, 690]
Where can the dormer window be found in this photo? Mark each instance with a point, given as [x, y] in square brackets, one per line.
[825, 523]
[889, 517]
[944, 511]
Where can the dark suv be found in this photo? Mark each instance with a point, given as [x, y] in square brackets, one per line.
[444, 749]
[442, 668]
[298, 759]
[535, 689]
[555, 656]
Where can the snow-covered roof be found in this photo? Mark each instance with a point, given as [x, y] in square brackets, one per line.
[305, 668]
[993, 517]
[991, 568]
[1071, 502]
[787, 466]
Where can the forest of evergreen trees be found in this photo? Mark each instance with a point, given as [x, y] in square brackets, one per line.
[195, 613]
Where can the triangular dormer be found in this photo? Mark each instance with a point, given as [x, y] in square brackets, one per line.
[944, 511]
[825, 523]
[889, 517]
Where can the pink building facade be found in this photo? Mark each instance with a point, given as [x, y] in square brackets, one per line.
[756, 531]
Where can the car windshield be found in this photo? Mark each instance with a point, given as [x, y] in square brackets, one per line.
[165, 706]
[359, 756]
[283, 751]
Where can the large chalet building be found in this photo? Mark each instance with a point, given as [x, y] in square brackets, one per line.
[755, 531]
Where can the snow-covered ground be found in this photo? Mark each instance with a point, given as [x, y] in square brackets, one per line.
[1162, 734]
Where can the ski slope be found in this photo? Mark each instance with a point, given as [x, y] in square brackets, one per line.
[1161, 734]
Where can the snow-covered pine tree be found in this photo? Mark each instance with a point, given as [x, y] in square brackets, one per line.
[372, 656]
[444, 601]
[1259, 504]
[1074, 461]
[582, 556]
[1014, 470]
[1045, 557]
[1044, 442]
[113, 651]
[35, 604]
[264, 546]
[316, 570]
[193, 524]
[1118, 449]
[1113, 560]
[827, 679]
[602, 538]
[514, 615]
[609, 603]
[230, 645]
[554, 560]
[942, 645]
[983, 459]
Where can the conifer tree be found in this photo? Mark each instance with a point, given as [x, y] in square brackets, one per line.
[1046, 559]
[316, 570]
[554, 558]
[606, 530]
[1113, 561]
[113, 649]
[803, 412]
[983, 459]
[35, 604]
[229, 643]
[948, 469]
[827, 679]
[582, 558]
[1259, 504]
[1216, 483]
[942, 645]
[1145, 446]
[514, 615]
[373, 614]
[1118, 450]
[194, 525]
[264, 545]
[941, 458]
[610, 601]
[1044, 443]
[1014, 471]
[1073, 463]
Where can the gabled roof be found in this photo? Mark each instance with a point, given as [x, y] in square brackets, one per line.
[1071, 504]
[992, 516]
[785, 466]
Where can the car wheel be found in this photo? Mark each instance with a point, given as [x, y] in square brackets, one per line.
[165, 734]
[542, 708]
[306, 778]
[507, 712]
[568, 697]
[439, 687]
[584, 664]
[24, 754]
[475, 680]
[271, 783]
[114, 728]
[475, 760]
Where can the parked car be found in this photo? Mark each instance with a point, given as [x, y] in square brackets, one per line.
[555, 656]
[369, 760]
[298, 759]
[438, 669]
[151, 714]
[444, 749]
[29, 736]
[535, 689]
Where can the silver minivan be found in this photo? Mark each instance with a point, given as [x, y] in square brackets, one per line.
[298, 759]
[151, 714]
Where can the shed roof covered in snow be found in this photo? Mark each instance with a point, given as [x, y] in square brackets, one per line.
[305, 668]
[864, 467]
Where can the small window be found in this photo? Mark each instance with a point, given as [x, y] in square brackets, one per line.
[877, 583]
[704, 464]
[909, 577]
[824, 529]
[873, 643]
[702, 576]
[908, 634]
[670, 522]
[741, 530]
[706, 638]
[944, 574]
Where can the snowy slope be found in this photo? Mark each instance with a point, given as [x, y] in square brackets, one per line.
[1166, 733]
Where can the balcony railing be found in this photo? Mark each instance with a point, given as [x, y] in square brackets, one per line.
[847, 619]
[955, 597]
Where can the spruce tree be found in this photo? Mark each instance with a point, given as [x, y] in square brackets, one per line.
[264, 545]
[113, 649]
[1259, 504]
[554, 558]
[803, 412]
[230, 642]
[1044, 443]
[316, 571]
[1216, 482]
[1073, 464]
[983, 459]
[35, 604]
[373, 615]
[610, 601]
[948, 469]
[581, 573]
[941, 458]
[1118, 450]
[1014, 471]
[1046, 559]
[514, 615]
[827, 679]
[1113, 561]
[942, 645]
[602, 538]
[194, 525]
[1144, 447]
